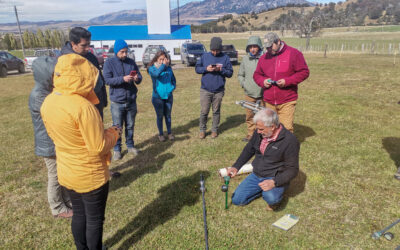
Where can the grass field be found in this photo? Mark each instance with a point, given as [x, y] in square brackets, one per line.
[347, 121]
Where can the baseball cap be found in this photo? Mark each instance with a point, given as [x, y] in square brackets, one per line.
[270, 38]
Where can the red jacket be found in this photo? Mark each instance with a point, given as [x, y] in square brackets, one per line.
[288, 64]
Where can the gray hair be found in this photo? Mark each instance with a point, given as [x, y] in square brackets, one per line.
[267, 116]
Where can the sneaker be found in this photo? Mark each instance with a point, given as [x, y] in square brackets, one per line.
[117, 156]
[214, 135]
[202, 135]
[133, 151]
[171, 137]
[397, 175]
[161, 138]
[65, 215]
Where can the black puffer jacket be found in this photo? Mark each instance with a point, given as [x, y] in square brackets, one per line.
[280, 158]
[43, 69]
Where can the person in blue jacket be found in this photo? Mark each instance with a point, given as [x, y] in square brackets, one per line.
[214, 66]
[122, 74]
[164, 83]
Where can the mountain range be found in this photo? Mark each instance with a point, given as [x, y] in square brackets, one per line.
[190, 13]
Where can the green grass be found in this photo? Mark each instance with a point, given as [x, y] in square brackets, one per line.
[347, 121]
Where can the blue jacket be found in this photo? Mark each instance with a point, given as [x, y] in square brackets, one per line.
[114, 71]
[164, 81]
[214, 81]
[43, 68]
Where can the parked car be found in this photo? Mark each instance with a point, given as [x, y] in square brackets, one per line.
[110, 53]
[191, 52]
[150, 52]
[230, 51]
[41, 52]
[100, 58]
[9, 62]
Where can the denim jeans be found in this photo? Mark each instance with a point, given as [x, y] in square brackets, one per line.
[207, 100]
[249, 190]
[124, 114]
[163, 108]
[88, 219]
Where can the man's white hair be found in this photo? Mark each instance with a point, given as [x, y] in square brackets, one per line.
[267, 116]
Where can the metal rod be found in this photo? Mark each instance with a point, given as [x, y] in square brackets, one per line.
[203, 190]
[20, 34]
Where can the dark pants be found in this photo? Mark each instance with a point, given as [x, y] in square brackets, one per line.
[87, 221]
[124, 114]
[163, 108]
[207, 100]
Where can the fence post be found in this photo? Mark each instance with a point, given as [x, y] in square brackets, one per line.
[341, 51]
[373, 48]
[326, 48]
[390, 48]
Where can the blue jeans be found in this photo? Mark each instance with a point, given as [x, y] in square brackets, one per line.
[163, 108]
[249, 190]
[124, 114]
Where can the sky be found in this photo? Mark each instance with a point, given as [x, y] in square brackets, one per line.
[76, 10]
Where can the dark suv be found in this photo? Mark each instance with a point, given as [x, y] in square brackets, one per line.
[9, 62]
[150, 52]
[230, 51]
[191, 52]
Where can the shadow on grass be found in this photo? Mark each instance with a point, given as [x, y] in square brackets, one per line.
[231, 122]
[302, 132]
[296, 187]
[150, 160]
[392, 146]
[171, 199]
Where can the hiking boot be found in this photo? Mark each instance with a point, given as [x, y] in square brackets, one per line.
[214, 135]
[272, 207]
[161, 138]
[202, 135]
[171, 137]
[65, 215]
[133, 151]
[117, 156]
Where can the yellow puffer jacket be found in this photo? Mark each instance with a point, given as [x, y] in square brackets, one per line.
[74, 124]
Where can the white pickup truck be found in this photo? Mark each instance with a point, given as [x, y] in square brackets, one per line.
[43, 52]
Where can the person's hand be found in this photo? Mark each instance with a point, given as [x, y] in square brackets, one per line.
[166, 61]
[267, 185]
[281, 83]
[118, 129]
[210, 68]
[219, 67]
[128, 78]
[136, 78]
[267, 83]
[231, 172]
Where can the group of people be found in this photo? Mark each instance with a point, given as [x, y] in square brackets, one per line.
[67, 105]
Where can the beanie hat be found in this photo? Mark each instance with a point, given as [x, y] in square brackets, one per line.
[216, 43]
[119, 44]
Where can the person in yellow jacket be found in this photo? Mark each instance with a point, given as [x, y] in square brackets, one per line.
[82, 146]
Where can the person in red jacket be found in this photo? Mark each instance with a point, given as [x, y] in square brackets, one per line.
[278, 72]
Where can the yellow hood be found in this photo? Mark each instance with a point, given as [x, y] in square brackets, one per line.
[74, 74]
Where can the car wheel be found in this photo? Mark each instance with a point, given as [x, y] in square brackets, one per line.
[187, 63]
[21, 68]
[3, 71]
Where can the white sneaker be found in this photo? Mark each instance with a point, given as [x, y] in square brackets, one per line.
[117, 156]
[133, 151]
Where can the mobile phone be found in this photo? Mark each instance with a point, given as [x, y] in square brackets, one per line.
[213, 65]
[133, 73]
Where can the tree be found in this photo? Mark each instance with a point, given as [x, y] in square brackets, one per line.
[7, 41]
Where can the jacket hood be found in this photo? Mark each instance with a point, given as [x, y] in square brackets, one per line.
[43, 69]
[67, 49]
[74, 74]
[254, 40]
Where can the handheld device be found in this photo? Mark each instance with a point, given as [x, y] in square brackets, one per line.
[133, 73]
[273, 82]
[213, 65]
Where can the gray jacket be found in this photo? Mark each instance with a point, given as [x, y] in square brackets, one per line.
[43, 69]
[247, 68]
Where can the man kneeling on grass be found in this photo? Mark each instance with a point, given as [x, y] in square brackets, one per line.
[275, 164]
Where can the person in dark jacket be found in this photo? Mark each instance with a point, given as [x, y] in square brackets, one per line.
[279, 72]
[43, 68]
[276, 161]
[79, 43]
[122, 74]
[214, 66]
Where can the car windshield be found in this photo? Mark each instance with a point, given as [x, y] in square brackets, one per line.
[196, 47]
[99, 50]
[228, 48]
[42, 53]
[153, 50]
